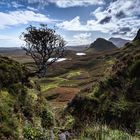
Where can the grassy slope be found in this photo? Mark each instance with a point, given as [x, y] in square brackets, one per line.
[24, 113]
[115, 100]
[65, 80]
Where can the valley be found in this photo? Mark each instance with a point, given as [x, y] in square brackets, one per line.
[69, 70]
[71, 82]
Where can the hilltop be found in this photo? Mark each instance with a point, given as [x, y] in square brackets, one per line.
[102, 45]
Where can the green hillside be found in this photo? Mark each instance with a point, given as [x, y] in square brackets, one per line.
[24, 114]
[91, 97]
[113, 101]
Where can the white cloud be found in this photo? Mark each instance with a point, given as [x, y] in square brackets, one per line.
[80, 39]
[21, 17]
[117, 19]
[82, 36]
[59, 3]
[72, 25]
[68, 3]
[129, 7]
[16, 5]
[32, 8]
[99, 9]
[10, 41]
[72, 3]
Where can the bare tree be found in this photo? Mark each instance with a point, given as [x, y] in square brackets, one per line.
[41, 44]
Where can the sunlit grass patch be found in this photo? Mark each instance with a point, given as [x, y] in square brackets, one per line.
[32, 94]
[110, 62]
[73, 74]
[46, 87]
[6, 100]
[102, 132]
[51, 83]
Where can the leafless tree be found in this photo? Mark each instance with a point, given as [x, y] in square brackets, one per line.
[41, 44]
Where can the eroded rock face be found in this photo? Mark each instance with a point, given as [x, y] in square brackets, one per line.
[137, 36]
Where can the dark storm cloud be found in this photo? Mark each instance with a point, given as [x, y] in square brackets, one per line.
[120, 15]
[105, 20]
[125, 29]
[121, 31]
[109, 10]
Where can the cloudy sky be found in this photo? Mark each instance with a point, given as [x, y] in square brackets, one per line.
[78, 21]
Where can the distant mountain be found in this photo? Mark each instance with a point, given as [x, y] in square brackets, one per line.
[11, 50]
[119, 42]
[102, 45]
[78, 48]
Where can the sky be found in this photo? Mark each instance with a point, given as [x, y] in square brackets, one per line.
[79, 22]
